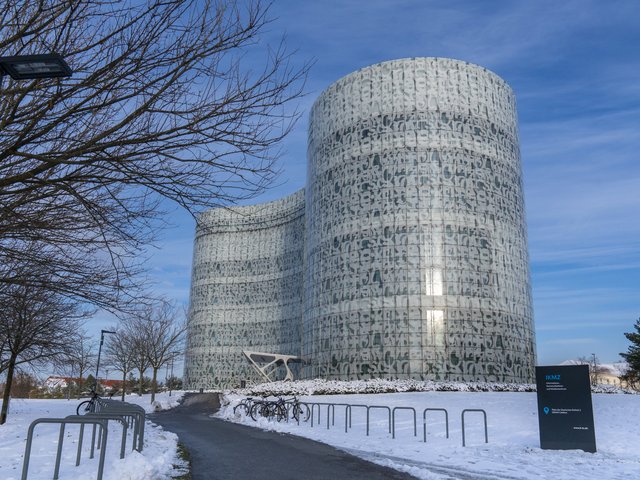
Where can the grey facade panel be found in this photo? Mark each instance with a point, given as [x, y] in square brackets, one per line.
[246, 290]
[414, 256]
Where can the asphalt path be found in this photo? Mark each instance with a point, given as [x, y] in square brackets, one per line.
[222, 450]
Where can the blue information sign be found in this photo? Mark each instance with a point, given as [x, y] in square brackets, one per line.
[565, 411]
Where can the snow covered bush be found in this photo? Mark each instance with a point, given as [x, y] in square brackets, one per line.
[339, 387]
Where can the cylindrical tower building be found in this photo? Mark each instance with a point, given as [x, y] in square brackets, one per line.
[246, 290]
[416, 254]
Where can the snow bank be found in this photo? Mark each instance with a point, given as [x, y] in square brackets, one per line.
[513, 450]
[337, 387]
[157, 461]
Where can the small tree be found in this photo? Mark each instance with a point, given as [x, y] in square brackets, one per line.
[79, 358]
[89, 383]
[595, 368]
[121, 355]
[632, 357]
[138, 342]
[36, 328]
[165, 334]
[174, 383]
[23, 385]
[154, 334]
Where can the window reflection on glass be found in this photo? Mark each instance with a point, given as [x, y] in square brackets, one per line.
[433, 328]
[434, 281]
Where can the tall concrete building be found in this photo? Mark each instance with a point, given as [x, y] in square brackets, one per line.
[404, 257]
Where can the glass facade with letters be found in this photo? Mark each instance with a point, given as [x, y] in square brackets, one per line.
[410, 240]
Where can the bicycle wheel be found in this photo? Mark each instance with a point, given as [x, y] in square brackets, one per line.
[280, 412]
[259, 410]
[242, 407]
[300, 411]
[85, 407]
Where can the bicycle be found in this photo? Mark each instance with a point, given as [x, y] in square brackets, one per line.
[245, 405]
[279, 409]
[89, 406]
[267, 409]
[299, 411]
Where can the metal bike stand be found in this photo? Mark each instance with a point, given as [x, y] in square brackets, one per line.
[393, 420]
[486, 434]
[424, 420]
[74, 419]
[381, 407]
[119, 419]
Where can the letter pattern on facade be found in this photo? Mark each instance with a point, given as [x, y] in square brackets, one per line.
[404, 257]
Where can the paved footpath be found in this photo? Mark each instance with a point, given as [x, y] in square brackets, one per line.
[222, 450]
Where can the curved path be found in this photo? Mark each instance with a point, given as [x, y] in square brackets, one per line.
[222, 450]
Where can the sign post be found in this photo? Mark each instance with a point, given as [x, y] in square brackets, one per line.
[565, 411]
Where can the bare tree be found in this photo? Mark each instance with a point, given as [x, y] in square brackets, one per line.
[132, 328]
[174, 99]
[165, 335]
[595, 368]
[121, 355]
[23, 384]
[154, 335]
[36, 328]
[79, 358]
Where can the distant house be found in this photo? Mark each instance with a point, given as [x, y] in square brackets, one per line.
[111, 385]
[607, 373]
[53, 382]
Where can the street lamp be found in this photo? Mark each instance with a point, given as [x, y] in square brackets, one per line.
[28, 67]
[171, 377]
[102, 332]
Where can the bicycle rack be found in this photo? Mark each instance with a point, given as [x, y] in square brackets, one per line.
[333, 417]
[128, 415]
[486, 434]
[424, 420]
[73, 419]
[350, 412]
[382, 407]
[393, 420]
[119, 418]
[330, 407]
[313, 405]
[288, 405]
[135, 415]
[331, 411]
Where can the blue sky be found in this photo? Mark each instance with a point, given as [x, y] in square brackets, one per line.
[575, 69]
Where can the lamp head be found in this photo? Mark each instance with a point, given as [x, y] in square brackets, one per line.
[27, 67]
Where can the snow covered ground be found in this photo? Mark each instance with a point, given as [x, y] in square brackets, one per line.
[513, 451]
[156, 461]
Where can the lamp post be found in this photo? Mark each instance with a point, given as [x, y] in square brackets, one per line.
[171, 377]
[102, 332]
[30, 67]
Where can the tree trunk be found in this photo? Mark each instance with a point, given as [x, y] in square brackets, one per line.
[7, 391]
[141, 381]
[154, 384]
[80, 384]
[124, 384]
